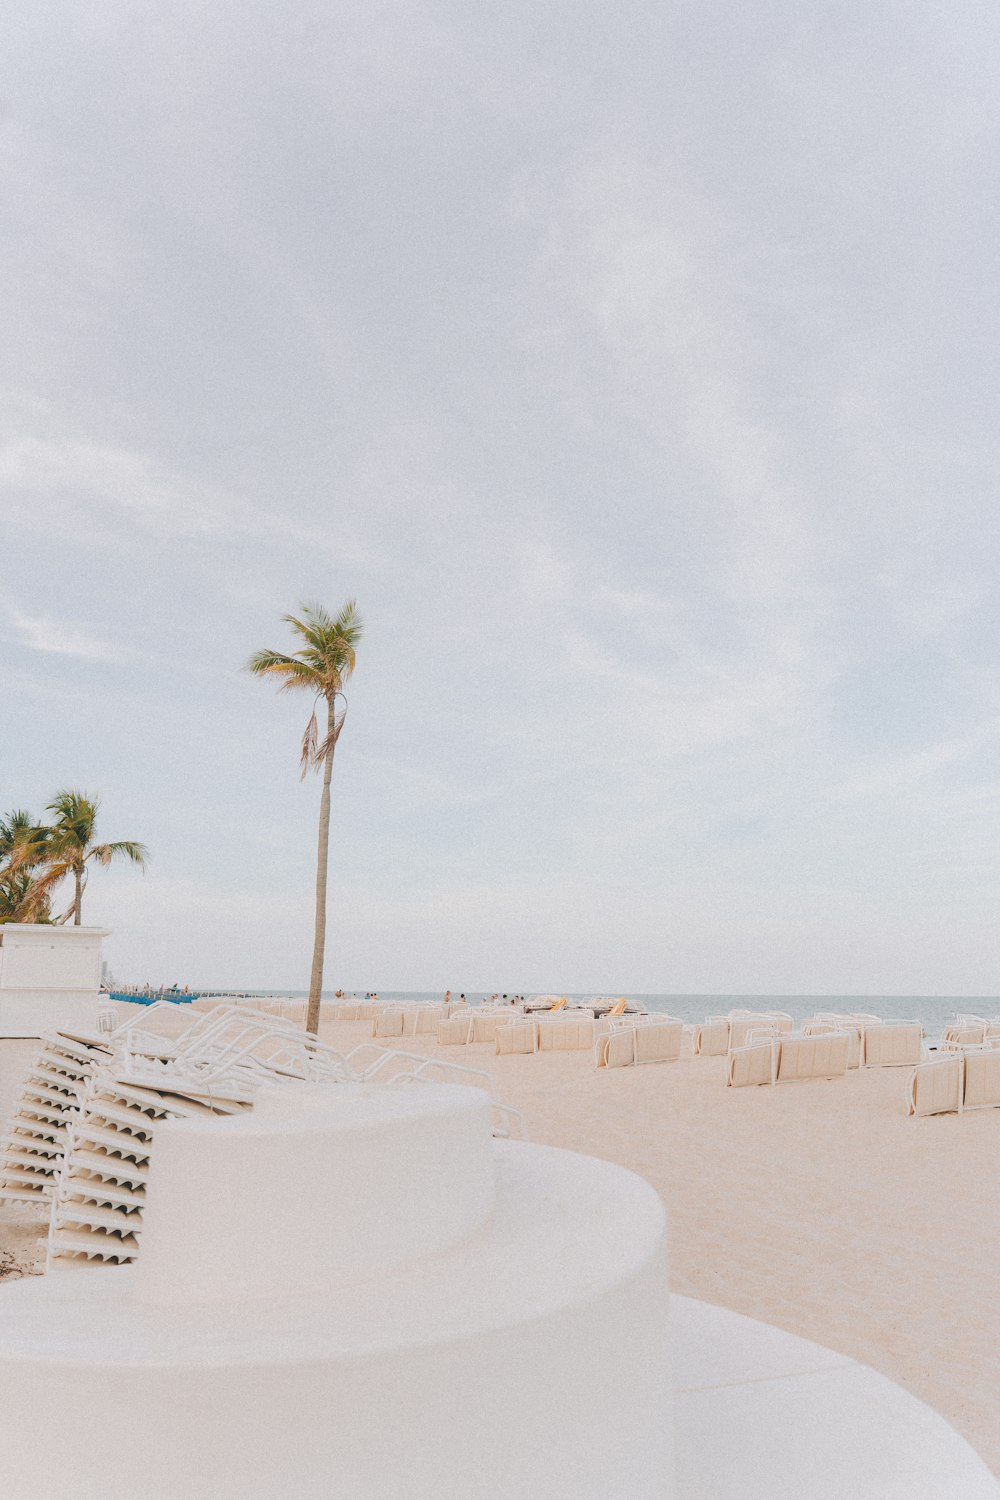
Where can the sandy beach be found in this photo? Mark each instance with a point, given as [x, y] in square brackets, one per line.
[816, 1206]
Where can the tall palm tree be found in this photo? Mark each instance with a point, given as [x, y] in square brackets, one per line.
[69, 847]
[322, 667]
[22, 850]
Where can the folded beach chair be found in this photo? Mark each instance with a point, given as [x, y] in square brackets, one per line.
[855, 1050]
[751, 1065]
[454, 1031]
[769, 1023]
[347, 1010]
[823, 1056]
[620, 1045]
[894, 1044]
[842, 1026]
[961, 1034]
[518, 1036]
[388, 1022]
[982, 1080]
[486, 1023]
[420, 1020]
[658, 1041]
[565, 1033]
[936, 1087]
[613, 1049]
[711, 1038]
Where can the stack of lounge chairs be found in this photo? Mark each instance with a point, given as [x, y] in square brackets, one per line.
[99, 1198]
[32, 1150]
[83, 1132]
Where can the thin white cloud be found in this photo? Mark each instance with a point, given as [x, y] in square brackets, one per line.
[69, 478]
[59, 638]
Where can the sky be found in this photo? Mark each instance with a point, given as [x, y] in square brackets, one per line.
[633, 365]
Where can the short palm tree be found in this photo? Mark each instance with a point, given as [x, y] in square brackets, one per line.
[69, 847]
[22, 845]
[322, 667]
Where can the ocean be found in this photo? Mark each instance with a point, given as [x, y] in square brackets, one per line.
[934, 1011]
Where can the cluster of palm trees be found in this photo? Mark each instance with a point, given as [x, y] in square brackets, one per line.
[36, 858]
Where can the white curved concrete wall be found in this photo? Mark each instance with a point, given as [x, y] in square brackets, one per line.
[359, 1180]
[528, 1360]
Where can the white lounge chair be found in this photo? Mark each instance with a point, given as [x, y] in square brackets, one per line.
[961, 1034]
[565, 1033]
[711, 1038]
[769, 1022]
[840, 1024]
[752, 1065]
[485, 1026]
[982, 1080]
[654, 1040]
[454, 1031]
[519, 1036]
[894, 1044]
[936, 1087]
[823, 1056]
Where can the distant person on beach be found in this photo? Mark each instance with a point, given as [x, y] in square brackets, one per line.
[447, 997]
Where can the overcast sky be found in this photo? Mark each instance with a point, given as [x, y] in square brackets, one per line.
[634, 365]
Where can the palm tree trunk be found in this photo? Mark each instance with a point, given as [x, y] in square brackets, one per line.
[78, 899]
[322, 859]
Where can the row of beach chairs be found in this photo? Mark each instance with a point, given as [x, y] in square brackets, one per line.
[616, 1041]
[825, 1049]
[421, 1019]
[284, 1007]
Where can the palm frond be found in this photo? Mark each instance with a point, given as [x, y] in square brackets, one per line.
[293, 671]
[23, 843]
[308, 756]
[50, 877]
[128, 849]
[75, 816]
[315, 628]
[330, 740]
[14, 829]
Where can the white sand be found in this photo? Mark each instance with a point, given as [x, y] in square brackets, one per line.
[815, 1206]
